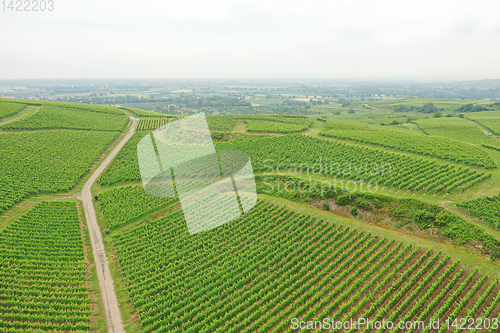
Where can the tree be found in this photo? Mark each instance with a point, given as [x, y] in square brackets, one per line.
[428, 108]
[354, 211]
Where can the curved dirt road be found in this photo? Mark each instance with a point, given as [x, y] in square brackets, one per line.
[111, 309]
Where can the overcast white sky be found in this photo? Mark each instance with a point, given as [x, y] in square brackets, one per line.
[347, 39]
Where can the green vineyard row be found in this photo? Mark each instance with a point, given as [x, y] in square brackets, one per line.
[50, 117]
[298, 154]
[259, 272]
[122, 205]
[43, 273]
[7, 109]
[46, 161]
[418, 143]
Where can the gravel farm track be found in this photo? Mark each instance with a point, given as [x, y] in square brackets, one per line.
[110, 304]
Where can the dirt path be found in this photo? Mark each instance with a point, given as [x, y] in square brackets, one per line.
[371, 107]
[110, 302]
[25, 112]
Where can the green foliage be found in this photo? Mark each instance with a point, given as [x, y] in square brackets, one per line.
[428, 108]
[46, 161]
[345, 199]
[123, 205]
[78, 106]
[217, 136]
[289, 119]
[362, 204]
[457, 129]
[412, 142]
[471, 108]
[405, 211]
[298, 154]
[145, 113]
[220, 123]
[151, 123]
[397, 125]
[425, 219]
[339, 160]
[7, 109]
[275, 123]
[354, 211]
[274, 265]
[404, 108]
[490, 120]
[215, 123]
[87, 107]
[485, 208]
[42, 271]
[124, 166]
[429, 215]
[274, 127]
[49, 117]
[295, 189]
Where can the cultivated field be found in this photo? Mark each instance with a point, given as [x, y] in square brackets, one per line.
[367, 209]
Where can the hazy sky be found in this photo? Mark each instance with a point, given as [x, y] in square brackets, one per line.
[358, 39]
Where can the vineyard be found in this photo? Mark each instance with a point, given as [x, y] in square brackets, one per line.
[69, 105]
[7, 109]
[151, 123]
[457, 129]
[298, 154]
[49, 117]
[489, 119]
[46, 161]
[289, 119]
[259, 272]
[412, 142]
[406, 213]
[485, 208]
[399, 126]
[221, 123]
[276, 124]
[260, 123]
[215, 123]
[144, 113]
[43, 274]
[294, 256]
[124, 166]
[123, 205]
[335, 159]
[274, 127]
